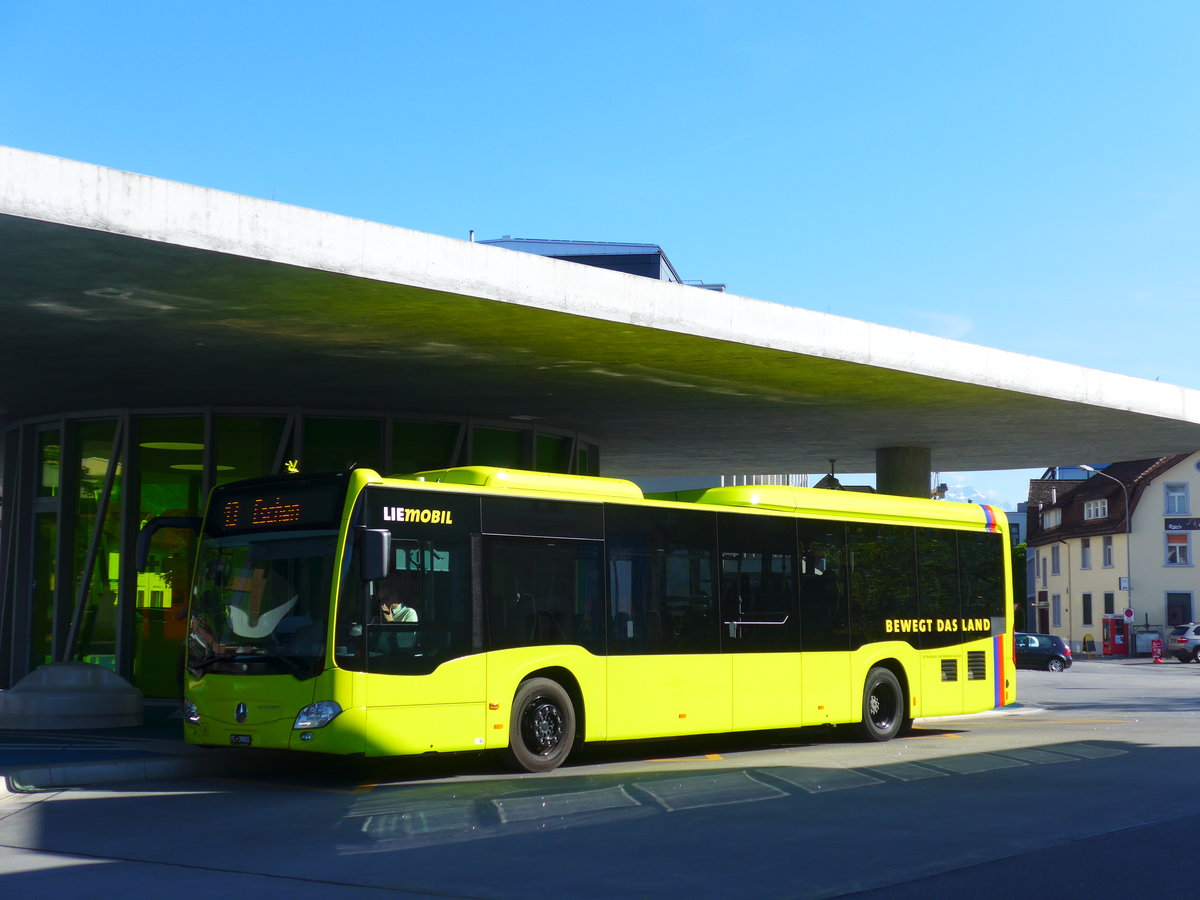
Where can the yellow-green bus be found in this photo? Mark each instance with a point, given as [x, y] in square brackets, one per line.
[493, 609]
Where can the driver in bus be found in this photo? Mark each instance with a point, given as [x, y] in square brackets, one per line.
[391, 607]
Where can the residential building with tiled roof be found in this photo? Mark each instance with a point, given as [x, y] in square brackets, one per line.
[1121, 539]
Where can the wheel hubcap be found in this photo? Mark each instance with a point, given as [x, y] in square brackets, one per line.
[542, 726]
[879, 711]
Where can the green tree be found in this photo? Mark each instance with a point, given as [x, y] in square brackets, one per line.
[1018, 586]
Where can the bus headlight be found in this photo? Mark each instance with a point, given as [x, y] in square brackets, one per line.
[316, 715]
[190, 712]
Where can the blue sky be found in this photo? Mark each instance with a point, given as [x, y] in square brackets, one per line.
[1021, 175]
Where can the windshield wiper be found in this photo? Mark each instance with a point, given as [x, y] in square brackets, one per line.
[199, 667]
[299, 667]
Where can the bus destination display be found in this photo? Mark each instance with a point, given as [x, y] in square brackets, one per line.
[276, 506]
[261, 511]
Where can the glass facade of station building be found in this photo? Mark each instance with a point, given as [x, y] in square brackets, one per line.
[78, 489]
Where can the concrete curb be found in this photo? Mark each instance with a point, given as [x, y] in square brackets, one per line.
[208, 763]
[1013, 709]
[40, 779]
[37, 779]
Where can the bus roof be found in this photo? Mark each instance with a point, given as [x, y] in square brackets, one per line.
[854, 504]
[814, 502]
[589, 486]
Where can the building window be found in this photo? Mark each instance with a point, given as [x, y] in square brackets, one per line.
[1175, 499]
[1056, 610]
[1110, 605]
[1085, 553]
[1179, 607]
[1107, 551]
[1095, 509]
[1179, 549]
[1087, 609]
[1052, 518]
[1042, 567]
[1055, 561]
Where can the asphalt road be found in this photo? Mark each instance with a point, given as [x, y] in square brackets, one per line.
[1089, 788]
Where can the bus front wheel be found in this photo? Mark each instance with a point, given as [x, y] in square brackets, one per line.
[541, 727]
[883, 713]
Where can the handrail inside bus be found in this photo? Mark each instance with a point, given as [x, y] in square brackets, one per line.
[782, 621]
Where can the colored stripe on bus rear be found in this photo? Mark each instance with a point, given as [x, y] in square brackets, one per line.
[998, 653]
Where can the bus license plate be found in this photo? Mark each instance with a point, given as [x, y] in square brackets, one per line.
[240, 740]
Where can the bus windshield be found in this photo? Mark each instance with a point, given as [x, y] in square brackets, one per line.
[260, 604]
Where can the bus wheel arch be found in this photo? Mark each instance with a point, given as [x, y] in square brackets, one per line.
[545, 721]
[885, 702]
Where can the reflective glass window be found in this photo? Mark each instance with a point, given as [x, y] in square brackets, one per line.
[759, 606]
[98, 514]
[45, 549]
[824, 610]
[49, 451]
[247, 447]
[552, 453]
[882, 577]
[981, 562]
[333, 445]
[497, 447]
[170, 477]
[541, 591]
[421, 614]
[661, 581]
[937, 580]
[420, 446]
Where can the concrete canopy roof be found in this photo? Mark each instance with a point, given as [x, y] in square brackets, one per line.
[121, 290]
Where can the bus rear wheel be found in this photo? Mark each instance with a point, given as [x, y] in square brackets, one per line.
[883, 713]
[541, 729]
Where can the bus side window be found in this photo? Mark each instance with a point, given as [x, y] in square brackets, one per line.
[662, 580]
[419, 616]
[882, 579]
[543, 591]
[824, 615]
[937, 580]
[982, 574]
[759, 604]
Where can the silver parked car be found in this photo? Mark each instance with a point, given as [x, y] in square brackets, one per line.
[1183, 643]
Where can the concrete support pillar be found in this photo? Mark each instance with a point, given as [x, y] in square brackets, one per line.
[903, 471]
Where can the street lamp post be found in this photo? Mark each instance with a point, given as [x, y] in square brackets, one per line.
[1128, 541]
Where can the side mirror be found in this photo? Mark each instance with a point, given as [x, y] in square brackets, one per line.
[375, 551]
[146, 535]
